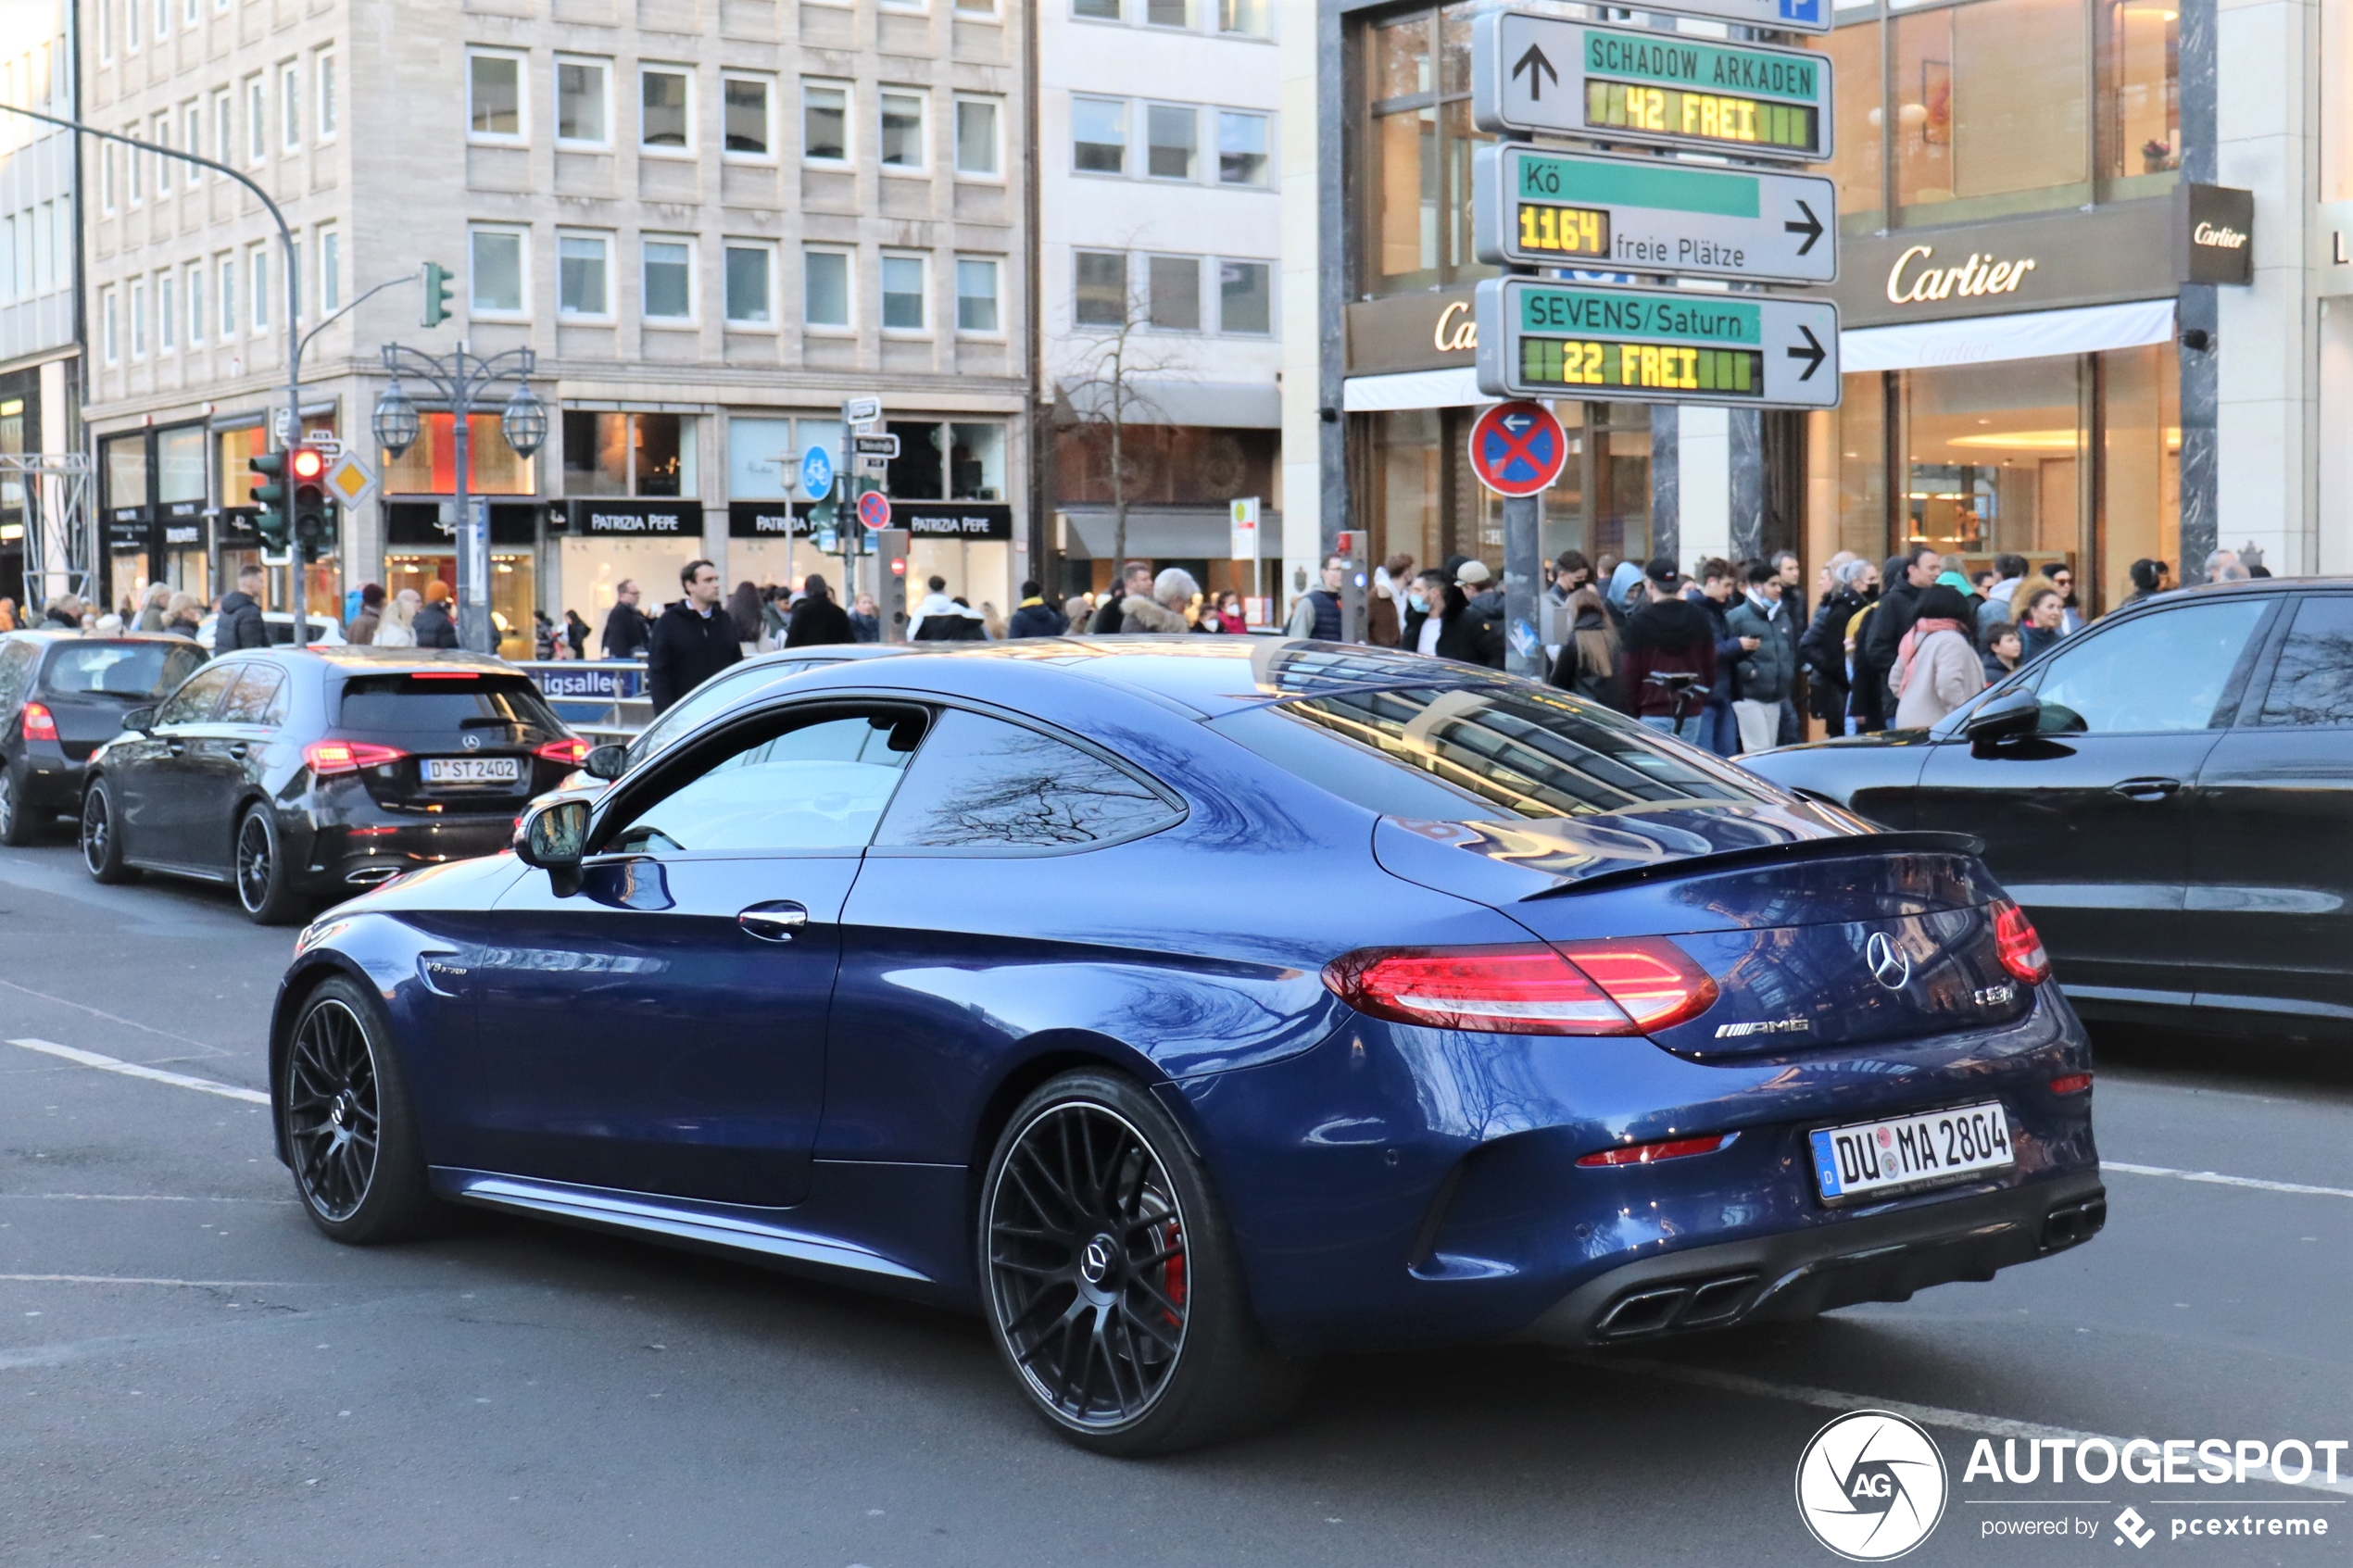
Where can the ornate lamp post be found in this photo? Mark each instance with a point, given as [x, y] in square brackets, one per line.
[461, 381]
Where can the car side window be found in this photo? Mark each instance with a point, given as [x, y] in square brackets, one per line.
[2163, 671]
[706, 701]
[2313, 686]
[820, 786]
[16, 662]
[983, 784]
[255, 696]
[193, 703]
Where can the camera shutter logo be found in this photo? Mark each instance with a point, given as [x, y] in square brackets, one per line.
[1871, 1486]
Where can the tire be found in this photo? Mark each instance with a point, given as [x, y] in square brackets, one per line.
[1111, 1282]
[18, 825]
[101, 845]
[263, 880]
[350, 1133]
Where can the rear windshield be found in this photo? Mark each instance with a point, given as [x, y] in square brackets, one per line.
[135, 671]
[1478, 754]
[443, 703]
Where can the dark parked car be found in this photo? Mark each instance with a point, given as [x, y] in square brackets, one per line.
[2170, 795]
[1189, 1009]
[301, 776]
[62, 695]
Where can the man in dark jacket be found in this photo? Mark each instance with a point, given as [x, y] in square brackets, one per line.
[1034, 616]
[1898, 607]
[1768, 675]
[435, 627]
[817, 621]
[627, 631]
[241, 625]
[362, 630]
[1822, 650]
[1136, 583]
[693, 641]
[1713, 596]
[1673, 637]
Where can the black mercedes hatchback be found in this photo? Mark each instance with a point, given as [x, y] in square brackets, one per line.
[301, 776]
[62, 695]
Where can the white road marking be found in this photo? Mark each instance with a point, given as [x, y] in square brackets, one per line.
[133, 1279]
[2218, 1179]
[153, 1074]
[111, 1018]
[134, 1198]
[1927, 1415]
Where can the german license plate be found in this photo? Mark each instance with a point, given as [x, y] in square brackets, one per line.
[472, 770]
[1874, 1159]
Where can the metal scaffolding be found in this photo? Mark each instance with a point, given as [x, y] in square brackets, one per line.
[60, 525]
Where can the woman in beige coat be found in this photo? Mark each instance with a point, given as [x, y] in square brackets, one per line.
[1937, 668]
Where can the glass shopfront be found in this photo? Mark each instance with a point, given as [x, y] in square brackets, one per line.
[420, 541]
[622, 456]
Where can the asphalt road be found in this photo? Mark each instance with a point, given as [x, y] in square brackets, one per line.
[189, 1374]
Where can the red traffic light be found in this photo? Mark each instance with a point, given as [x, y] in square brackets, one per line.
[308, 463]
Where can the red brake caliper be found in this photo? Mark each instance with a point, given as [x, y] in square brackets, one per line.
[1172, 1271]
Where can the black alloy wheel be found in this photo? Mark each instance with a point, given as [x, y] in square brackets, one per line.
[101, 847]
[263, 881]
[17, 825]
[1111, 1284]
[343, 1115]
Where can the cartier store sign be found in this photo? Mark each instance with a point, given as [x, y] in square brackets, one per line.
[1411, 331]
[2104, 256]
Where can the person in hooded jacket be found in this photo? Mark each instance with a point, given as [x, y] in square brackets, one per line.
[1937, 667]
[1441, 622]
[1625, 594]
[1590, 660]
[1173, 593]
[1034, 616]
[1822, 649]
[817, 619]
[1672, 636]
[1476, 636]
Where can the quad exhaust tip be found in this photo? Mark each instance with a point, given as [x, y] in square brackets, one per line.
[2074, 1222]
[1696, 1304]
[371, 876]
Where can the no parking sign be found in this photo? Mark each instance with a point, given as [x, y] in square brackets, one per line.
[874, 509]
[1517, 448]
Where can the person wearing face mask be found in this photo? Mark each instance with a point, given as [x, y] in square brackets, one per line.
[1441, 622]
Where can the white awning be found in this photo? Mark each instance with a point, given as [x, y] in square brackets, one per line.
[2032, 335]
[1414, 389]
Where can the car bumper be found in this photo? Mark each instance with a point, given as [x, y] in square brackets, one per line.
[1399, 1186]
[366, 848]
[50, 780]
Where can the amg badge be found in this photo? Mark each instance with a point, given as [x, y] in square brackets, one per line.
[1764, 1026]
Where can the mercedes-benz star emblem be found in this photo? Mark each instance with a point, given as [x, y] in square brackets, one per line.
[473, 743]
[1095, 1262]
[1890, 965]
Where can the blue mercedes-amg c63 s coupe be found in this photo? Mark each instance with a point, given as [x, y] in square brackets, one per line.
[1190, 1006]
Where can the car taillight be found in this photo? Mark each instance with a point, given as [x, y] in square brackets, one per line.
[328, 758]
[2071, 1083]
[1651, 1153]
[1516, 990]
[572, 751]
[2021, 949]
[39, 723]
[1654, 979]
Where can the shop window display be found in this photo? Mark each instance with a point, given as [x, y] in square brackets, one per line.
[625, 454]
[429, 467]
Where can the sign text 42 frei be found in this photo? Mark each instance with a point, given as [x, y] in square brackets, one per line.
[1537, 338]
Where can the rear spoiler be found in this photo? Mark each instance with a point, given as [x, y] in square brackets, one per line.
[1826, 848]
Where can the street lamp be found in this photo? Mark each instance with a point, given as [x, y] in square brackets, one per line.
[460, 382]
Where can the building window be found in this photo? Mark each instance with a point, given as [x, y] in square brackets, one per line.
[1420, 142]
[195, 305]
[977, 145]
[1102, 289]
[1099, 135]
[613, 454]
[191, 125]
[1172, 292]
[135, 159]
[495, 281]
[106, 155]
[977, 7]
[903, 130]
[225, 138]
[1241, 148]
[751, 132]
[160, 133]
[902, 294]
[163, 19]
[1096, 10]
[669, 280]
[1168, 13]
[293, 281]
[495, 97]
[108, 314]
[1249, 18]
[584, 264]
[1245, 298]
[166, 314]
[329, 270]
[581, 106]
[257, 120]
[290, 106]
[824, 288]
[976, 284]
[139, 319]
[227, 269]
[330, 99]
[666, 122]
[1173, 133]
[825, 122]
[951, 462]
[749, 300]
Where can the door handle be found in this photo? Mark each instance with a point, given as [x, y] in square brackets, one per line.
[2146, 789]
[773, 923]
[240, 750]
[177, 747]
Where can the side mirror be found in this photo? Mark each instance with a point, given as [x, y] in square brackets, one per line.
[552, 836]
[607, 762]
[2006, 717]
[140, 719]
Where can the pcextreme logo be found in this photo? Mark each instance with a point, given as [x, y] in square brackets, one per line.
[1870, 1486]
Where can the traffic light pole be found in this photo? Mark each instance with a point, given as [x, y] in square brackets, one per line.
[293, 436]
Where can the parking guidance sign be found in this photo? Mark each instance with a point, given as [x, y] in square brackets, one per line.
[1537, 207]
[1542, 339]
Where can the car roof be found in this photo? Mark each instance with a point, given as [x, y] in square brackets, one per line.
[42, 634]
[2248, 585]
[366, 661]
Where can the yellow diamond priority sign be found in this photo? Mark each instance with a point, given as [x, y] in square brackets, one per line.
[349, 480]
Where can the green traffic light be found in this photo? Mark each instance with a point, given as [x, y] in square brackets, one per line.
[270, 494]
[437, 290]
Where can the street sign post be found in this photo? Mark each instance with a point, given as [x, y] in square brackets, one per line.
[1543, 339]
[874, 509]
[875, 446]
[1536, 206]
[861, 410]
[1517, 448]
[350, 481]
[1538, 76]
[1243, 514]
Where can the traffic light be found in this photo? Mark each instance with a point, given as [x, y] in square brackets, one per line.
[437, 285]
[308, 465]
[270, 494]
[893, 542]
